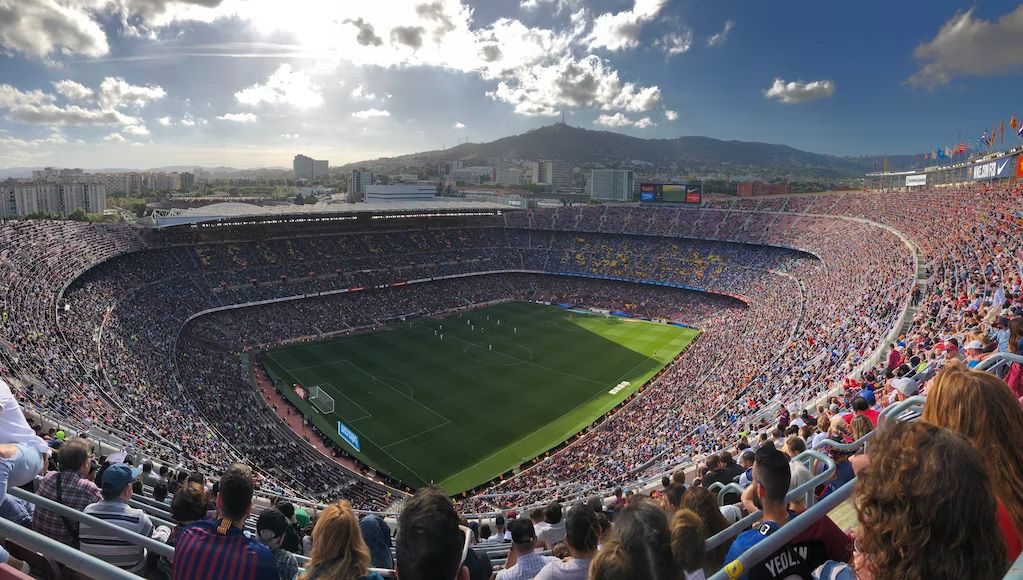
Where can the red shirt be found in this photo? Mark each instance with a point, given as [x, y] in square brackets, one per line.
[870, 414]
[1013, 545]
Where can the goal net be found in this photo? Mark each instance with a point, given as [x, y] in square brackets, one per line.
[323, 402]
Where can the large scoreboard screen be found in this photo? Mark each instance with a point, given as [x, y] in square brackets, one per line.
[670, 193]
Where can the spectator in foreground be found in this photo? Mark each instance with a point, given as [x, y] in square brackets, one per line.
[431, 544]
[528, 561]
[688, 535]
[377, 536]
[772, 477]
[114, 509]
[981, 407]
[293, 537]
[906, 499]
[270, 529]
[339, 552]
[218, 549]
[639, 547]
[187, 506]
[582, 534]
[69, 486]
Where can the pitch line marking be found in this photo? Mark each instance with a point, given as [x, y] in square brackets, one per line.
[421, 433]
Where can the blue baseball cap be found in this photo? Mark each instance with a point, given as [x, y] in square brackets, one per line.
[118, 476]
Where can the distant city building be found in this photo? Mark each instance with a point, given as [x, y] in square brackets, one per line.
[187, 182]
[403, 178]
[452, 166]
[309, 168]
[557, 174]
[508, 176]
[612, 184]
[357, 184]
[61, 195]
[475, 174]
[401, 192]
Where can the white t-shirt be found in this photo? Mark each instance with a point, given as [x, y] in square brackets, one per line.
[571, 569]
[13, 426]
[552, 534]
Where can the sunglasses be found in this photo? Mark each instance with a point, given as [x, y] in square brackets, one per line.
[465, 548]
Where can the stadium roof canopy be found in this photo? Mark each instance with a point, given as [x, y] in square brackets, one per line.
[234, 211]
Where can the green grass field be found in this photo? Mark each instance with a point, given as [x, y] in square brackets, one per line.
[451, 410]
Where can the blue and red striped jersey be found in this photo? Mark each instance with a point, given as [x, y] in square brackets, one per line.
[203, 553]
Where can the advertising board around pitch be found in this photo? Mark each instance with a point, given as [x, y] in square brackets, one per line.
[348, 435]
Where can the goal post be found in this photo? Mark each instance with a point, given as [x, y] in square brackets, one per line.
[323, 402]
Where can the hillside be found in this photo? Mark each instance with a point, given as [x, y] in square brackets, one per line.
[703, 154]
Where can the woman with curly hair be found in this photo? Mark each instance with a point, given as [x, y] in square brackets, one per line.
[981, 407]
[925, 509]
[339, 552]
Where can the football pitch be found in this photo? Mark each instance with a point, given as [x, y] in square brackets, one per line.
[462, 399]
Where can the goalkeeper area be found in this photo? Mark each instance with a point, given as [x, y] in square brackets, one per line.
[463, 399]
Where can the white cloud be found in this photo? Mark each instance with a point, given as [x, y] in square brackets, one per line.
[137, 130]
[620, 120]
[40, 28]
[115, 138]
[676, 43]
[360, 92]
[722, 36]
[165, 121]
[644, 123]
[670, 115]
[286, 87]
[370, 113]
[966, 45]
[73, 115]
[72, 90]
[13, 97]
[796, 92]
[115, 92]
[289, 136]
[239, 117]
[588, 82]
[189, 121]
[620, 30]
[459, 125]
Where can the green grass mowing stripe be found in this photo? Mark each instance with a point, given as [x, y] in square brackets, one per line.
[564, 361]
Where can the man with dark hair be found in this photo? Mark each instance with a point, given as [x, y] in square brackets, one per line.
[114, 509]
[148, 477]
[292, 538]
[821, 542]
[498, 537]
[582, 534]
[431, 544]
[746, 459]
[215, 549]
[70, 486]
[160, 492]
[555, 530]
[861, 407]
[528, 562]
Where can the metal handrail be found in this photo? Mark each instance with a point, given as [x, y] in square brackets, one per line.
[82, 517]
[893, 411]
[793, 494]
[70, 557]
[730, 487]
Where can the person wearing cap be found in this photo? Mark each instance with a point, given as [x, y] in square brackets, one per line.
[528, 562]
[974, 353]
[114, 509]
[271, 528]
[999, 332]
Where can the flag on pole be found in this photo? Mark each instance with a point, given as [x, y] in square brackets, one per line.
[1003, 132]
[1012, 122]
[1019, 131]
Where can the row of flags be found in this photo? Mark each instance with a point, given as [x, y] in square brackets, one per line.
[999, 129]
[945, 153]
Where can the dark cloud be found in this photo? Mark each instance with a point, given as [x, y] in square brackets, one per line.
[577, 85]
[435, 11]
[408, 35]
[366, 35]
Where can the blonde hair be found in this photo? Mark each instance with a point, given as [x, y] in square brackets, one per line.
[982, 408]
[339, 552]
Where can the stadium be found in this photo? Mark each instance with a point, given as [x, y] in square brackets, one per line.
[516, 358]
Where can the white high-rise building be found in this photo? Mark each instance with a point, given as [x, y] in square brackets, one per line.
[357, 184]
[309, 168]
[60, 195]
[611, 184]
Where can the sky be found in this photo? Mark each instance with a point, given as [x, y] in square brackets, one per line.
[250, 83]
